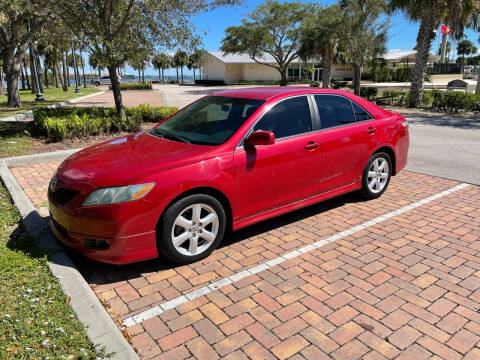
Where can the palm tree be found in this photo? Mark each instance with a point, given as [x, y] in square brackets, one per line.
[195, 61]
[180, 59]
[161, 62]
[465, 47]
[321, 36]
[431, 13]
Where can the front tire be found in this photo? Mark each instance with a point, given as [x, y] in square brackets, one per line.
[191, 228]
[376, 175]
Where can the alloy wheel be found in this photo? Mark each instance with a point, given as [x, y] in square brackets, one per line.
[378, 175]
[195, 229]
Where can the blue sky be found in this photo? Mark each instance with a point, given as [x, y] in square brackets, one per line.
[402, 34]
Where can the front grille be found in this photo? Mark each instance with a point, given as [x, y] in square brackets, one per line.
[62, 196]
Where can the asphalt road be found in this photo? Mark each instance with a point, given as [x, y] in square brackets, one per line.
[445, 145]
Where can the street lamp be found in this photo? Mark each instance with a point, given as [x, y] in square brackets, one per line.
[38, 95]
[77, 90]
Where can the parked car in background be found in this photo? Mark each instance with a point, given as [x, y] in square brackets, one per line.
[226, 161]
[104, 80]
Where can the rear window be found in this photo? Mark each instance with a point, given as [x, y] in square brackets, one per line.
[360, 113]
[334, 110]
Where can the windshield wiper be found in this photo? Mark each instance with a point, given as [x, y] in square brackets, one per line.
[176, 138]
[171, 136]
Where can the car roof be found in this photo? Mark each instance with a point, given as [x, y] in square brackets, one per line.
[267, 93]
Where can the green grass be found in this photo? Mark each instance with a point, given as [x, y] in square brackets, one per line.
[36, 321]
[52, 95]
[15, 139]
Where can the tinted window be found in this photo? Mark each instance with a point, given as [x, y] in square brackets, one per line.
[210, 121]
[287, 118]
[360, 113]
[334, 110]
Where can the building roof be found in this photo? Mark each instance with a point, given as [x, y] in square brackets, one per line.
[244, 58]
[396, 54]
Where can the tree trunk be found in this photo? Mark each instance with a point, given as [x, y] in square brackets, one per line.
[159, 75]
[12, 63]
[327, 67]
[163, 76]
[424, 42]
[26, 74]
[477, 90]
[143, 75]
[39, 73]
[66, 79]
[83, 72]
[139, 76]
[45, 69]
[194, 75]
[32, 80]
[357, 75]
[177, 73]
[117, 95]
[181, 72]
[1, 83]
[283, 76]
[23, 77]
[54, 75]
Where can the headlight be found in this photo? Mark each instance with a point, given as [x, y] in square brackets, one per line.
[115, 195]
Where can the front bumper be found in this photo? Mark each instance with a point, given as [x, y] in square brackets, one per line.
[121, 250]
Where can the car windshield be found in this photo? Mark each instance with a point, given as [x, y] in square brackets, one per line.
[210, 121]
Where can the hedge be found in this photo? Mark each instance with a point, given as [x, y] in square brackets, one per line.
[369, 93]
[134, 86]
[455, 101]
[69, 122]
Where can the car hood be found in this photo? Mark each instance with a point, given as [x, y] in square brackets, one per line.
[129, 158]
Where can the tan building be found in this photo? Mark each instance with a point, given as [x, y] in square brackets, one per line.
[234, 68]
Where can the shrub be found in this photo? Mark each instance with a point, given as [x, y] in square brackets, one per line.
[134, 86]
[455, 101]
[368, 93]
[337, 85]
[393, 97]
[314, 84]
[70, 122]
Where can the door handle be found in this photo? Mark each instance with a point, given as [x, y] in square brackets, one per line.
[311, 145]
[371, 130]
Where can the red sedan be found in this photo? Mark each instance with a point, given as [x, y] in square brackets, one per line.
[226, 161]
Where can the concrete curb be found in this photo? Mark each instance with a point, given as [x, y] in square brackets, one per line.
[100, 327]
[29, 113]
[39, 158]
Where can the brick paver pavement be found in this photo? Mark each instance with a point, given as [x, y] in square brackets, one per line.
[406, 288]
[130, 98]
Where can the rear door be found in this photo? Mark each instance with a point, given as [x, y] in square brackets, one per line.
[274, 175]
[345, 142]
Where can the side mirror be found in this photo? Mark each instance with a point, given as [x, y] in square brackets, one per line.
[260, 137]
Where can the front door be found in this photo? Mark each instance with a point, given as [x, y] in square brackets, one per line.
[274, 175]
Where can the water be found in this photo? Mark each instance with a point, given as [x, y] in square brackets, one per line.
[148, 78]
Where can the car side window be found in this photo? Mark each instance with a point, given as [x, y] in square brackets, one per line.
[334, 110]
[360, 113]
[287, 118]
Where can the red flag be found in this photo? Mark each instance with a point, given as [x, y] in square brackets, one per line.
[446, 30]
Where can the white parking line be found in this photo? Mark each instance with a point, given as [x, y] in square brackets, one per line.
[157, 310]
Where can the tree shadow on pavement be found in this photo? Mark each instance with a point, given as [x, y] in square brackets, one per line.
[446, 120]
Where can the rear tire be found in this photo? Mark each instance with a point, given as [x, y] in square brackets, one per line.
[376, 176]
[191, 228]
